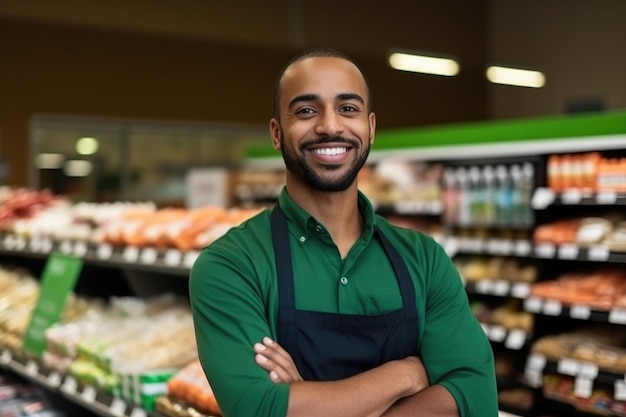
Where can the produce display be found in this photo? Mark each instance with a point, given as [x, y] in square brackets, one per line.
[602, 289]
[477, 268]
[608, 231]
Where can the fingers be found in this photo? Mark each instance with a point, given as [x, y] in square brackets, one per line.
[277, 361]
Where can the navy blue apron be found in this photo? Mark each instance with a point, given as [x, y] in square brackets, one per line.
[330, 346]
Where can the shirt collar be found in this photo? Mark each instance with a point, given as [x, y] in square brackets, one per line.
[304, 222]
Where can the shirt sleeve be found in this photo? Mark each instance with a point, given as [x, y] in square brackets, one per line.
[454, 347]
[229, 317]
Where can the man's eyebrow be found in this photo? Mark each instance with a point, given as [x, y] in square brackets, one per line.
[303, 98]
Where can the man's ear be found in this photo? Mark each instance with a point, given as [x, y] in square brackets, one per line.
[275, 133]
[372, 122]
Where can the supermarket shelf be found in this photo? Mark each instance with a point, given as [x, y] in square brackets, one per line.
[545, 197]
[499, 287]
[514, 339]
[553, 307]
[407, 208]
[169, 261]
[84, 395]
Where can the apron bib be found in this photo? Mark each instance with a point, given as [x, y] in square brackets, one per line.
[330, 346]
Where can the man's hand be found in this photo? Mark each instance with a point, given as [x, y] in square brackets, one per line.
[274, 359]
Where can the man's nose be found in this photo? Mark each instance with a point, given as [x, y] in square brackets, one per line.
[329, 123]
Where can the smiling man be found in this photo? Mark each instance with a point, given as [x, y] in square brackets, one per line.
[320, 307]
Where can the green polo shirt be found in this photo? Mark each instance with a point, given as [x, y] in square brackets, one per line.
[234, 299]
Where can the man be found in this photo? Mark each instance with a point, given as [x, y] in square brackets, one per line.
[319, 307]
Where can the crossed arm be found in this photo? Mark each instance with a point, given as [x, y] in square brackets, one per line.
[394, 389]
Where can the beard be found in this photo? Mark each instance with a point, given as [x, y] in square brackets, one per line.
[298, 165]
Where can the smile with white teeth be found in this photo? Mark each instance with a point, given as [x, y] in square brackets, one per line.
[330, 151]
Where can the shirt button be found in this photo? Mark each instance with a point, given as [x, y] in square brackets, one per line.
[344, 281]
[302, 239]
[318, 228]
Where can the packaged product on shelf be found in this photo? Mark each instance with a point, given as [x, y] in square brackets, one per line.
[191, 387]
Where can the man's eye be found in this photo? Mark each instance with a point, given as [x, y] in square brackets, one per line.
[305, 111]
[348, 109]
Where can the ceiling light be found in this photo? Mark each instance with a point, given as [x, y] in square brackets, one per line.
[517, 77]
[49, 160]
[77, 168]
[424, 64]
[87, 146]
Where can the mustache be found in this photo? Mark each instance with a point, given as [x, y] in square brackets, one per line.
[329, 139]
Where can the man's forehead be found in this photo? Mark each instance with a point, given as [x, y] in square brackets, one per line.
[322, 71]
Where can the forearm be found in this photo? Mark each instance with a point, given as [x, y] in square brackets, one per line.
[434, 401]
[367, 394]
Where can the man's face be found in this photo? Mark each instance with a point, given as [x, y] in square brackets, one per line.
[325, 130]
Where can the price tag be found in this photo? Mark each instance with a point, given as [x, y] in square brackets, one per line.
[131, 254]
[552, 308]
[617, 316]
[520, 290]
[599, 253]
[606, 197]
[7, 242]
[173, 257]
[516, 339]
[568, 251]
[533, 305]
[118, 407]
[619, 392]
[104, 252]
[54, 379]
[138, 412]
[583, 387]
[452, 246]
[69, 385]
[149, 256]
[568, 366]
[475, 245]
[497, 334]
[32, 368]
[571, 196]
[522, 248]
[6, 357]
[403, 207]
[501, 287]
[190, 258]
[493, 246]
[20, 243]
[46, 245]
[34, 245]
[89, 394]
[80, 249]
[581, 312]
[536, 361]
[484, 286]
[65, 247]
[534, 378]
[588, 370]
[542, 198]
[545, 250]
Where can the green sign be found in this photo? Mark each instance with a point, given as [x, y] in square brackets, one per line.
[57, 281]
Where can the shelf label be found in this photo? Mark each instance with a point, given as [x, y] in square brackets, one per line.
[617, 316]
[606, 197]
[598, 253]
[20, 243]
[54, 379]
[501, 287]
[65, 247]
[149, 256]
[34, 245]
[545, 250]
[571, 196]
[568, 251]
[620, 390]
[536, 361]
[104, 252]
[89, 394]
[516, 339]
[583, 387]
[80, 249]
[57, 281]
[69, 385]
[118, 407]
[520, 290]
[533, 377]
[588, 370]
[542, 198]
[484, 286]
[172, 257]
[568, 366]
[552, 308]
[6, 357]
[31, 368]
[497, 333]
[46, 245]
[131, 254]
[190, 258]
[522, 248]
[533, 305]
[581, 312]
[452, 246]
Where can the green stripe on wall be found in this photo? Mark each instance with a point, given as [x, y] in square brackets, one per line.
[579, 125]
